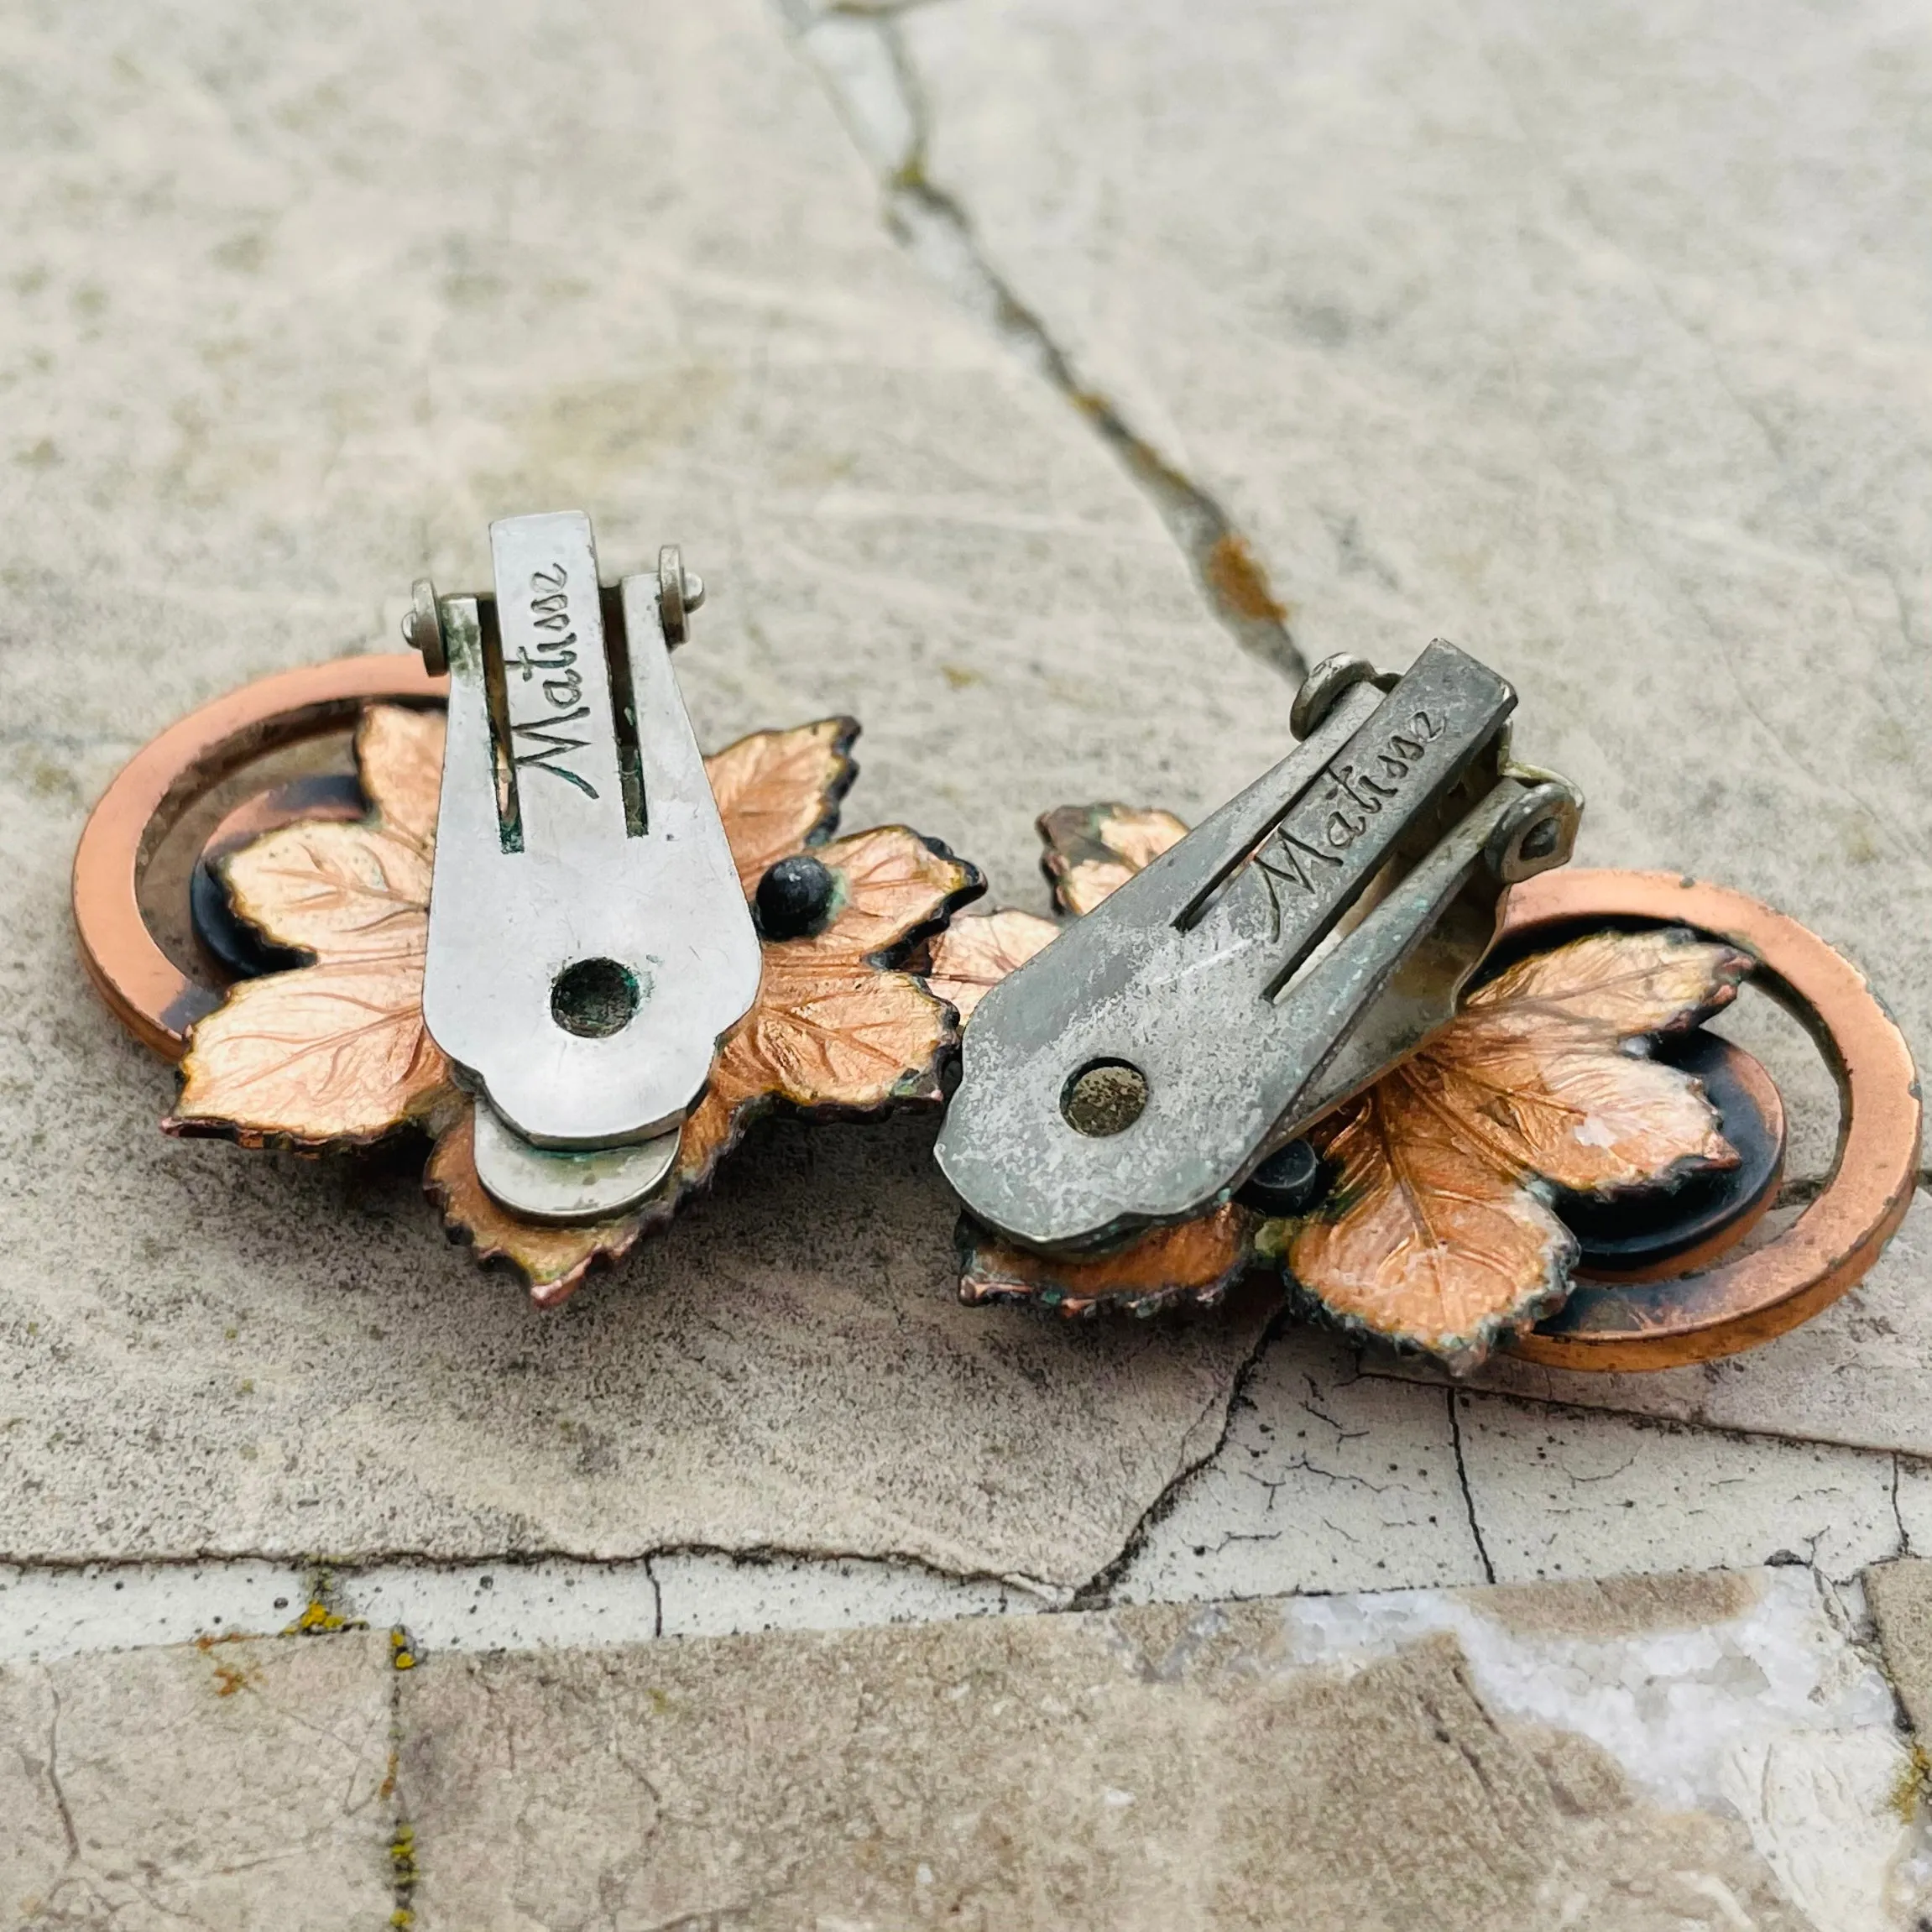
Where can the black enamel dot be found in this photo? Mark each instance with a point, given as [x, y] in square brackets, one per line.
[794, 897]
[1289, 1181]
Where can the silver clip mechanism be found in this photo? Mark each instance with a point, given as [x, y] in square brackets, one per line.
[1312, 933]
[589, 940]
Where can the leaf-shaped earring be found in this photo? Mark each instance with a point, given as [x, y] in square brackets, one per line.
[1444, 1205]
[319, 1040]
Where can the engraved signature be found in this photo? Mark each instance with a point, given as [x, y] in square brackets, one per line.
[1356, 792]
[562, 682]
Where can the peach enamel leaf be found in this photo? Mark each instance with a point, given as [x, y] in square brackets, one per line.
[836, 1028]
[1437, 1232]
[399, 755]
[1195, 1260]
[1090, 850]
[333, 1053]
[779, 790]
[553, 1260]
[1425, 1240]
[977, 951]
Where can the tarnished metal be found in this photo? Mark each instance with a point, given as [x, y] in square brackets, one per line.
[547, 1184]
[1323, 688]
[589, 942]
[423, 627]
[1316, 929]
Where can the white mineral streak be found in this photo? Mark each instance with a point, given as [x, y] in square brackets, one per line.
[1774, 1716]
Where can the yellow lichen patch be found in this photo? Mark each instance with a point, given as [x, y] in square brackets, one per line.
[318, 1619]
[402, 1653]
[321, 1618]
[403, 1873]
[1913, 1786]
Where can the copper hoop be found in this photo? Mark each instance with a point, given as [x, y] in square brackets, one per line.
[1741, 1303]
[146, 990]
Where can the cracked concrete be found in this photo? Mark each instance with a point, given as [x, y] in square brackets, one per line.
[259, 378]
[1704, 1751]
[258, 1359]
[1014, 415]
[1530, 330]
[862, 56]
[251, 1775]
[1194, 1775]
[1333, 1478]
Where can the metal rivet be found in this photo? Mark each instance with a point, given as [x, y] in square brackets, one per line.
[423, 627]
[1104, 1098]
[1325, 685]
[679, 592]
[594, 998]
[1536, 833]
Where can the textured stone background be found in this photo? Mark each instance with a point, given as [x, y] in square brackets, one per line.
[965, 347]
[1694, 1753]
[1047, 382]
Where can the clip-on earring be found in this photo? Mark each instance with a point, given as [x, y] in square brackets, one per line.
[494, 893]
[1357, 1030]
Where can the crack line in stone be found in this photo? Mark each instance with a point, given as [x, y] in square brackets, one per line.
[1468, 1494]
[886, 111]
[1097, 1592]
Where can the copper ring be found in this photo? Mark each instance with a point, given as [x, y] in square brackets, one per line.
[1761, 1294]
[148, 993]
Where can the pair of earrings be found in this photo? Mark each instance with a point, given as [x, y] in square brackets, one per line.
[1357, 1027]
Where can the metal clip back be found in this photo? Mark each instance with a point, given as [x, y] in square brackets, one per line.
[589, 940]
[1313, 932]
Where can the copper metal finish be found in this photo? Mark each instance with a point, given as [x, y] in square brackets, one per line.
[1436, 1236]
[1761, 1294]
[1761, 1094]
[147, 990]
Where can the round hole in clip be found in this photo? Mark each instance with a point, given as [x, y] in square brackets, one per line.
[594, 998]
[1540, 840]
[1105, 1097]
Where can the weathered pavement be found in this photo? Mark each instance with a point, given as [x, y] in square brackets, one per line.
[992, 358]
[1708, 1751]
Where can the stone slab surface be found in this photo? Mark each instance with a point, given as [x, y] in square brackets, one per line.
[1709, 1750]
[1700, 1752]
[1597, 338]
[48, 1612]
[225, 1786]
[1900, 1597]
[300, 301]
[1334, 1479]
